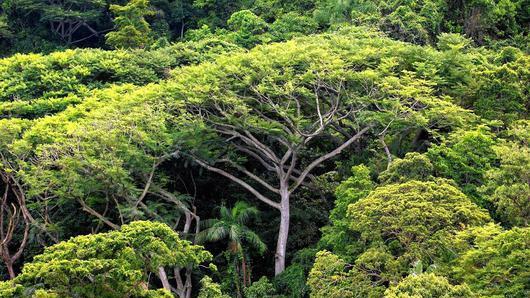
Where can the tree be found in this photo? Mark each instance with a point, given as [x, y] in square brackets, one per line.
[508, 186]
[501, 93]
[338, 237]
[5, 33]
[15, 219]
[217, 12]
[420, 21]
[273, 106]
[247, 27]
[427, 285]
[497, 264]
[413, 166]
[209, 289]
[232, 225]
[260, 289]
[64, 184]
[71, 20]
[332, 277]
[411, 217]
[292, 24]
[399, 225]
[111, 264]
[465, 156]
[132, 30]
[417, 21]
[274, 9]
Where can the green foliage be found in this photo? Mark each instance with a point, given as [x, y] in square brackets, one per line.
[498, 265]
[274, 9]
[507, 185]
[132, 28]
[413, 166]
[465, 156]
[210, 289]
[68, 10]
[330, 277]
[262, 288]
[8, 289]
[427, 285]
[5, 33]
[398, 225]
[231, 225]
[292, 281]
[111, 264]
[91, 138]
[338, 237]
[503, 93]
[35, 85]
[420, 21]
[217, 12]
[410, 217]
[247, 27]
[415, 21]
[452, 42]
[290, 25]
[69, 21]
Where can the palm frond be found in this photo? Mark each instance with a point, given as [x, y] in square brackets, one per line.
[243, 212]
[225, 214]
[254, 240]
[212, 234]
[235, 233]
[207, 223]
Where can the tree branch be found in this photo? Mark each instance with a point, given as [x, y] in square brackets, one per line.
[327, 156]
[242, 183]
[387, 151]
[96, 214]
[252, 176]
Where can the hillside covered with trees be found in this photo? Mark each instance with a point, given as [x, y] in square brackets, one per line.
[264, 148]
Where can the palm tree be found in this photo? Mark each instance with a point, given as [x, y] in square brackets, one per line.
[231, 225]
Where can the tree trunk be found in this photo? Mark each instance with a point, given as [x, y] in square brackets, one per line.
[244, 269]
[237, 278]
[163, 278]
[283, 233]
[188, 282]
[10, 270]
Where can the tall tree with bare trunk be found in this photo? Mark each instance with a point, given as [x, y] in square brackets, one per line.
[265, 116]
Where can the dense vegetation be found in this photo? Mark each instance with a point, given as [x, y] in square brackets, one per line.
[265, 148]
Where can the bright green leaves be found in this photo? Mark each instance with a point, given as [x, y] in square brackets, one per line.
[465, 157]
[292, 24]
[99, 154]
[247, 27]
[209, 289]
[503, 92]
[338, 236]
[413, 166]
[409, 220]
[507, 185]
[112, 264]
[427, 285]
[32, 86]
[394, 227]
[330, 277]
[132, 28]
[420, 21]
[498, 265]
